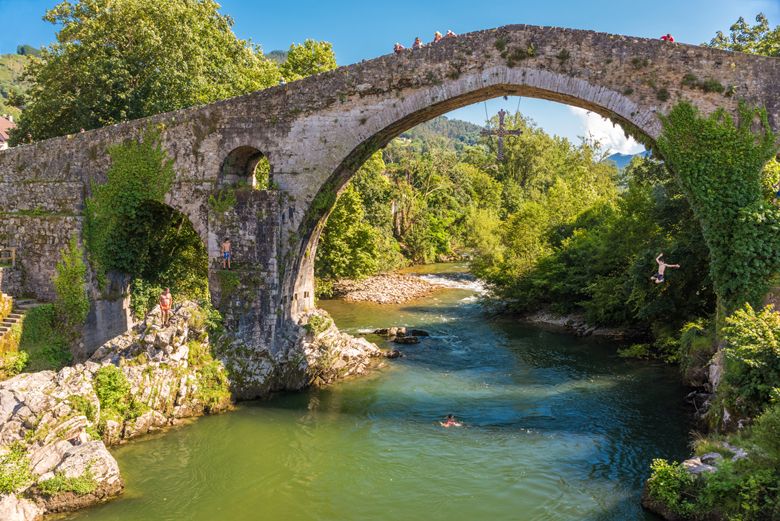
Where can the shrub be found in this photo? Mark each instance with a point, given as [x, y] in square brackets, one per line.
[15, 471]
[671, 484]
[72, 304]
[697, 345]
[766, 433]
[81, 485]
[752, 354]
[213, 386]
[12, 363]
[43, 340]
[112, 389]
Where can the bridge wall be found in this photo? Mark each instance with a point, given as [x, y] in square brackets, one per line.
[317, 132]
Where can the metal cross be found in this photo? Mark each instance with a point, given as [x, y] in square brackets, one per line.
[501, 132]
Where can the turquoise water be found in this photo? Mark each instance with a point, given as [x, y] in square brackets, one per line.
[556, 428]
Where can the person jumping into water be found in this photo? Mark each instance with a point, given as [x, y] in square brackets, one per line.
[659, 277]
[450, 421]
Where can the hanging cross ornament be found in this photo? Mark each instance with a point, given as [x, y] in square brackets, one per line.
[501, 132]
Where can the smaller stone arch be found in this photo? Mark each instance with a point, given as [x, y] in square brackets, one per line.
[246, 165]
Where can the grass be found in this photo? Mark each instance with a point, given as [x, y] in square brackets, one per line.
[15, 472]
[81, 485]
[46, 347]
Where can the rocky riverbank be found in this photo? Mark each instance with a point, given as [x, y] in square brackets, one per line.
[55, 427]
[383, 289]
[577, 325]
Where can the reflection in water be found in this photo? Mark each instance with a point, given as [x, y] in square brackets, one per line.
[556, 428]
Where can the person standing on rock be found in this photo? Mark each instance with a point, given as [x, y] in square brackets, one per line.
[226, 254]
[166, 302]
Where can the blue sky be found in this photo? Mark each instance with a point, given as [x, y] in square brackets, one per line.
[366, 29]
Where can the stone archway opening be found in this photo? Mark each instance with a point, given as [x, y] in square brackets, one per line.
[173, 255]
[302, 280]
[245, 166]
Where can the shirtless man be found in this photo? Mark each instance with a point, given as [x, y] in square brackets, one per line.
[450, 421]
[226, 254]
[659, 277]
[166, 301]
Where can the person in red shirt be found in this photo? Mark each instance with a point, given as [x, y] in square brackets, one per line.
[668, 38]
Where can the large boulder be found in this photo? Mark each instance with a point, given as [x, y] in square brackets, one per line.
[13, 508]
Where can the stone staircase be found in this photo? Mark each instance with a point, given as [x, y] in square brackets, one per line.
[20, 308]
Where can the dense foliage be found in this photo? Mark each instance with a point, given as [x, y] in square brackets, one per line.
[71, 304]
[720, 165]
[115, 61]
[12, 85]
[310, 57]
[753, 39]
[752, 352]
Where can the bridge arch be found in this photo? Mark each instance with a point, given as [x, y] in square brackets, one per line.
[639, 122]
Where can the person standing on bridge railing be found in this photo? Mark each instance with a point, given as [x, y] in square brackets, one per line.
[418, 43]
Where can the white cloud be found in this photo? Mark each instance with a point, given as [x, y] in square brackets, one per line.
[611, 136]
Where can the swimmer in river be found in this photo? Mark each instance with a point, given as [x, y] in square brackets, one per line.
[450, 421]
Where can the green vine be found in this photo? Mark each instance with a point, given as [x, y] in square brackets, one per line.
[115, 231]
[719, 163]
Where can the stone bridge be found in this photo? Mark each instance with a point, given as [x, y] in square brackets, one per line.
[318, 131]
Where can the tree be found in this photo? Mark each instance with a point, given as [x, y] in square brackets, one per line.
[756, 39]
[116, 61]
[311, 57]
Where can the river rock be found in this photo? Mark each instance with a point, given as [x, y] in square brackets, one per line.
[393, 353]
[13, 508]
[405, 340]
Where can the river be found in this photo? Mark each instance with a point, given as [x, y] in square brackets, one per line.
[556, 428]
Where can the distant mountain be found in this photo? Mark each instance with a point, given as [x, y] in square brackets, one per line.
[277, 56]
[12, 88]
[461, 132]
[622, 160]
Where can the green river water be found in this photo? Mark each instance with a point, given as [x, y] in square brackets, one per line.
[556, 428]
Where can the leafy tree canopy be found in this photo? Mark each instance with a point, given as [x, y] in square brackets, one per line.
[751, 39]
[115, 61]
[310, 57]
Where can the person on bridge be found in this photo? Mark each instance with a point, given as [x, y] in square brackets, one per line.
[437, 37]
[659, 277]
[226, 253]
[450, 421]
[417, 43]
[166, 302]
[450, 34]
[398, 48]
[668, 38]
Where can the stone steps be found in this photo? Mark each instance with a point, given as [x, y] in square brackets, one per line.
[19, 310]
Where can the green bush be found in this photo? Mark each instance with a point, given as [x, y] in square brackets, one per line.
[43, 340]
[71, 304]
[81, 485]
[113, 392]
[752, 355]
[766, 434]
[213, 386]
[697, 345]
[671, 484]
[15, 471]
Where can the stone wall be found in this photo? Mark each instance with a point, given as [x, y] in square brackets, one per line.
[11, 281]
